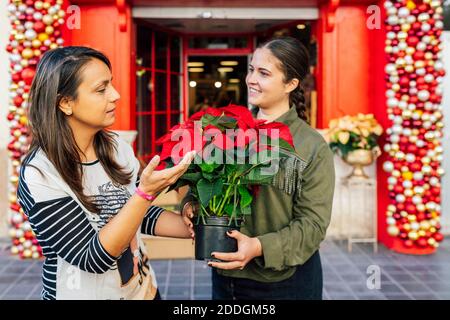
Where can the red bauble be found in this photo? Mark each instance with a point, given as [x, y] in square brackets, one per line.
[39, 26]
[15, 77]
[412, 41]
[398, 189]
[420, 216]
[18, 101]
[28, 75]
[411, 209]
[412, 148]
[418, 55]
[408, 243]
[438, 237]
[422, 242]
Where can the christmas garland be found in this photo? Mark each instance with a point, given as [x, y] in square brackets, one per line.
[36, 28]
[414, 73]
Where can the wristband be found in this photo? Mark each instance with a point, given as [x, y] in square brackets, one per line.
[144, 195]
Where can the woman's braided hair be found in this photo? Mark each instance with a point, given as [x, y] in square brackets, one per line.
[294, 59]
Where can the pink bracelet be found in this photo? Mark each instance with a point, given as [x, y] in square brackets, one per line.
[144, 195]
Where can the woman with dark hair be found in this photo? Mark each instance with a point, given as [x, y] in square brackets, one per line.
[278, 244]
[81, 188]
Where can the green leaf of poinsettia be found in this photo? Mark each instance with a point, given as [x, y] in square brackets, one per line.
[207, 190]
[229, 210]
[246, 197]
[208, 167]
[192, 176]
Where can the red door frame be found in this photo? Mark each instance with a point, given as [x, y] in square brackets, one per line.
[153, 71]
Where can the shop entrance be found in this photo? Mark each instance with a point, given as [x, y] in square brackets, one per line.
[181, 72]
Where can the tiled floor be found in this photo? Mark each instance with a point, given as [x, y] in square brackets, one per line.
[346, 275]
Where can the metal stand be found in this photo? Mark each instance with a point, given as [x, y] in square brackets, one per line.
[360, 195]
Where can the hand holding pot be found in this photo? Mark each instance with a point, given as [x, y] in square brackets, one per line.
[188, 213]
[248, 248]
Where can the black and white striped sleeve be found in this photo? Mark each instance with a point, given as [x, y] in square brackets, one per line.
[61, 224]
[150, 219]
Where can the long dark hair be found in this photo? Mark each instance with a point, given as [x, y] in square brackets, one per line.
[58, 76]
[294, 58]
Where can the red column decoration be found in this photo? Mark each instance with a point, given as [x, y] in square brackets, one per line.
[414, 74]
[36, 28]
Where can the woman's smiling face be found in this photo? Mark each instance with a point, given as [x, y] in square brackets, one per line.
[265, 80]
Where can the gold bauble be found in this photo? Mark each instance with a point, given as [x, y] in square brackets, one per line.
[421, 233]
[37, 52]
[410, 5]
[419, 64]
[38, 5]
[407, 226]
[42, 36]
[27, 53]
[407, 175]
[49, 29]
[413, 235]
[47, 19]
[23, 120]
[27, 252]
[19, 37]
[405, 27]
[36, 43]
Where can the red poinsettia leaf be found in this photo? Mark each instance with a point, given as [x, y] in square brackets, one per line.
[242, 114]
[278, 130]
[161, 166]
[244, 137]
[165, 138]
[223, 142]
[216, 112]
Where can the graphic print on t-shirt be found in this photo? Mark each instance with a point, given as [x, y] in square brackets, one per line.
[110, 199]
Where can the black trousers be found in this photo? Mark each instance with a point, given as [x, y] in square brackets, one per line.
[305, 284]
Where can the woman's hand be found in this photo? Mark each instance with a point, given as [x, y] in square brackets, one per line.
[187, 213]
[248, 248]
[152, 182]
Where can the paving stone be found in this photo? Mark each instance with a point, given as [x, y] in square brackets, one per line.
[345, 275]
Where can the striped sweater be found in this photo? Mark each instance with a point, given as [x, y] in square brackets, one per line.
[76, 264]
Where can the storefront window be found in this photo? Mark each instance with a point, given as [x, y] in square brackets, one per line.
[158, 83]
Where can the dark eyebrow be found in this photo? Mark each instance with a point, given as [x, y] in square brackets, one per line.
[263, 69]
[104, 82]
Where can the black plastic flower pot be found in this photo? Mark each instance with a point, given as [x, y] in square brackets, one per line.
[212, 236]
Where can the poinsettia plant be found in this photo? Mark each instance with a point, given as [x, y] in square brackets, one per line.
[235, 153]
